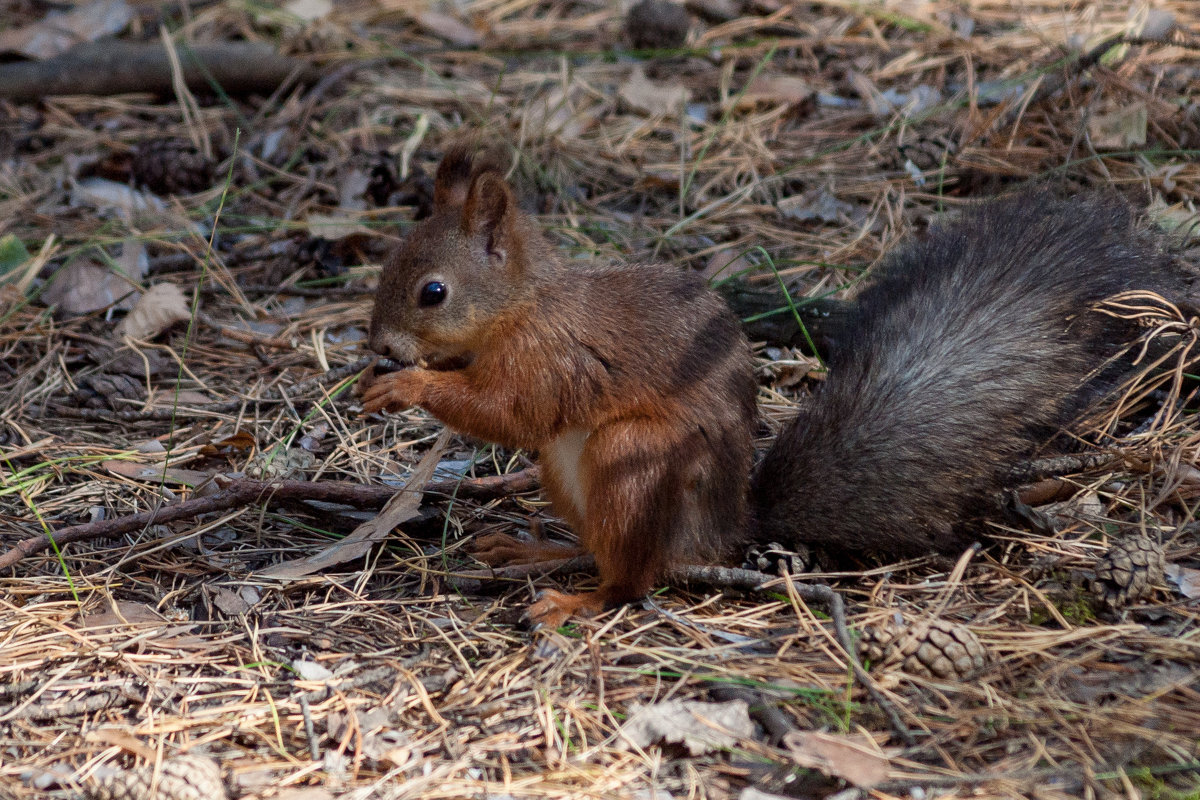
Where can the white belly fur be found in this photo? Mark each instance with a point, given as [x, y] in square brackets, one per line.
[565, 452]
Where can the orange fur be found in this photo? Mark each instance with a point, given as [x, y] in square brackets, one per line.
[632, 380]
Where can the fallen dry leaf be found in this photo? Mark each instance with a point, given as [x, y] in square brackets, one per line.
[230, 602]
[304, 793]
[154, 473]
[84, 286]
[240, 443]
[309, 10]
[643, 94]
[123, 612]
[1187, 580]
[1120, 129]
[159, 308]
[448, 28]
[852, 758]
[403, 506]
[335, 226]
[180, 399]
[110, 197]
[773, 90]
[59, 31]
[699, 727]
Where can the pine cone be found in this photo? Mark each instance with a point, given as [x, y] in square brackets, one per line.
[1128, 571]
[657, 25]
[934, 649]
[181, 778]
[775, 559]
[107, 390]
[172, 166]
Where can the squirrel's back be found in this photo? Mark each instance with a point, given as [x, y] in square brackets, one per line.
[976, 342]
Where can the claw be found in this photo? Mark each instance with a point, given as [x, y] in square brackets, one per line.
[504, 549]
[553, 609]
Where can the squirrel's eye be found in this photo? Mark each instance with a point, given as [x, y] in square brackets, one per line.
[432, 293]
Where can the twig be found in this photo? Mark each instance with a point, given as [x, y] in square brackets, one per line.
[1060, 465]
[314, 747]
[1085, 61]
[298, 291]
[166, 414]
[470, 580]
[244, 492]
[762, 709]
[246, 336]
[114, 67]
[735, 578]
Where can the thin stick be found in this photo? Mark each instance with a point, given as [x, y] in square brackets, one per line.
[244, 492]
[757, 581]
[224, 407]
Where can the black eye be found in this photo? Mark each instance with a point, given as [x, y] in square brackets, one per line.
[432, 293]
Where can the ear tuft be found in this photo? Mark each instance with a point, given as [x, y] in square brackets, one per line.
[489, 211]
[464, 161]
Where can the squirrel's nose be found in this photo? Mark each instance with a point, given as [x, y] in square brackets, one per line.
[397, 346]
[378, 343]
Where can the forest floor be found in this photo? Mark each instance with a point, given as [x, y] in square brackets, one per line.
[186, 276]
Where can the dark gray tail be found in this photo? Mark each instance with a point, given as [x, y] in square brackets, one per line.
[974, 342]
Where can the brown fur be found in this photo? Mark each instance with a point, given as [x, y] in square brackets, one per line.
[975, 344]
[640, 365]
[633, 380]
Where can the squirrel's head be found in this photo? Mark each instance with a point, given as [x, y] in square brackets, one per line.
[456, 272]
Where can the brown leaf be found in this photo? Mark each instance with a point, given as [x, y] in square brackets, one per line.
[309, 10]
[448, 28]
[229, 602]
[852, 758]
[123, 612]
[83, 286]
[403, 506]
[774, 90]
[1120, 129]
[170, 398]
[240, 442]
[304, 793]
[1188, 580]
[158, 309]
[153, 473]
[643, 94]
[700, 727]
[725, 264]
[59, 31]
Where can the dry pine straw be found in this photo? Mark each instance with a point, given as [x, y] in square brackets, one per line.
[166, 642]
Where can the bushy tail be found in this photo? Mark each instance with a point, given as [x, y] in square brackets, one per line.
[973, 344]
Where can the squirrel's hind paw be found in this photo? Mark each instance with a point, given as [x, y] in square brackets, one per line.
[504, 549]
[552, 609]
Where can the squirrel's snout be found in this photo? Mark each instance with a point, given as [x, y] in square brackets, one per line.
[397, 346]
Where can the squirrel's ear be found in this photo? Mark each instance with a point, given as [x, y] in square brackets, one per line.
[463, 162]
[489, 212]
[453, 177]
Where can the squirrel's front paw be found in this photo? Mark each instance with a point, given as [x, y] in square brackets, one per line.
[395, 391]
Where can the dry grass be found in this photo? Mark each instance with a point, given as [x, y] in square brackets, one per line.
[127, 651]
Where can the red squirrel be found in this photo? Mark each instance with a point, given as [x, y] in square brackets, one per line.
[633, 381]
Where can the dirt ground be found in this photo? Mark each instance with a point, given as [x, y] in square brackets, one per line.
[186, 273]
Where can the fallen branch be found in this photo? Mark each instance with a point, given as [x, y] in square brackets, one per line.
[751, 580]
[244, 492]
[115, 67]
[728, 578]
[168, 413]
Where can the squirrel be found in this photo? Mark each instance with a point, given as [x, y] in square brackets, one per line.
[633, 381]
